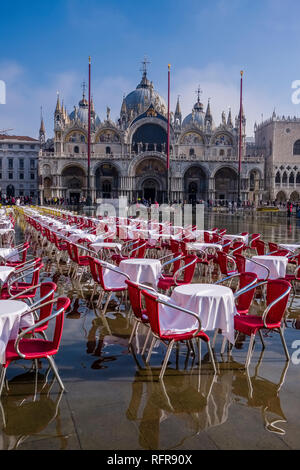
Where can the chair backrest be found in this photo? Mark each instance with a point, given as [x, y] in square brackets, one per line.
[260, 247]
[244, 300]
[281, 253]
[152, 308]
[253, 239]
[188, 273]
[240, 261]
[272, 247]
[237, 247]
[61, 304]
[135, 297]
[47, 289]
[206, 237]
[222, 260]
[275, 289]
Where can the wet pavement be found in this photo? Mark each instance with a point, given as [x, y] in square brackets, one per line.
[114, 402]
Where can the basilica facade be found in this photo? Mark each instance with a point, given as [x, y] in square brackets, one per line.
[129, 156]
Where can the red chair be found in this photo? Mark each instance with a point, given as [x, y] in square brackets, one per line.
[223, 261]
[24, 290]
[45, 305]
[173, 335]
[260, 247]
[138, 251]
[22, 253]
[273, 247]
[135, 297]
[188, 270]
[237, 248]
[244, 294]
[240, 262]
[277, 297]
[77, 260]
[38, 348]
[253, 239]
[109, 278]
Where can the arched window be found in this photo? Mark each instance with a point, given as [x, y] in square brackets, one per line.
[284, 178]
[76, 149]
[297, 147]
[222, 153]
[298, 178]
[107, 151]
[192, 152]
[292, 178]
[277, 178]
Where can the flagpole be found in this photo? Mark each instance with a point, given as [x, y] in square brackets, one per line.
[168, 141]
[89, 201]
[240, 139]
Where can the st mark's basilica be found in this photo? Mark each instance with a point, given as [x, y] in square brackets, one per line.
[129, 156]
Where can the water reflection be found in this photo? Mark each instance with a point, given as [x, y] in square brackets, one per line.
[27, 408]
[194, 401]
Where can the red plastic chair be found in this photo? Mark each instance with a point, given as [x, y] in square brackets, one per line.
[38, 348]
[245, 298]
[24, 290]
[240, 262]
[22, 252]
[115, 282]
[172, 336]
[223, 261]
[237, 248]
[188, 270]
[253, 239]
[277, 297]
[273, 247]
[260, 247]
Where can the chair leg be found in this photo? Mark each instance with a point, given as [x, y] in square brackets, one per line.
[164, 366]
[150, 350]
[284, 344]
[54, 368]
[106, 303]
[212, 357]
[262, 339]
[133, 332]
[250, 351]
[2, 378]
[146, 342]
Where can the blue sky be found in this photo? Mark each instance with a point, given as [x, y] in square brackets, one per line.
[45, 48]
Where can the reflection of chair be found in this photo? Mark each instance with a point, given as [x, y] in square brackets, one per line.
[36, 348]
[169, 335]
[28, 409]
[264, 394]
[276, 297]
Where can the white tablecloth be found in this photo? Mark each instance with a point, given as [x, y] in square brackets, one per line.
[11, 320]
[276, 264]
[142, 270]
[100, 245]
[202, 246]
[289, 247]
[4, 273]
[239, 238]
[10, 254]
[214, 304]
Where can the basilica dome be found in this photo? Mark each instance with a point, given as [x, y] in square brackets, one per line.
[197, 116]
[81, 113]
[140, 99]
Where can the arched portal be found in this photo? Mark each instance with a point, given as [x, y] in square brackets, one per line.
[226, 183]
[195, 184]
[150, 180]
[281, 197]
[107, 178]
[294, 197]
[73, 182]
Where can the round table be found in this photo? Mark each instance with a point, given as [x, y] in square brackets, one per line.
[276, 264]
[5, 271]
[202, 246]
[9, 253]
[214, 304]
[13, 317]
[100, 245]
[290, 247]
[142, 270]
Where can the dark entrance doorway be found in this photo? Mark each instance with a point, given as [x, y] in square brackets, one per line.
[150, 194]
[74, 198]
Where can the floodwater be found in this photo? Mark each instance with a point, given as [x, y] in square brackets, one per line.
[114, 402]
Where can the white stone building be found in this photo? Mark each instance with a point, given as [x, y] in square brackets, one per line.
[128, 157]
[19, 166]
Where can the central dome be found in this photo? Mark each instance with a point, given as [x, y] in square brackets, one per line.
[140, 99]
[197, 116]
[81, 113]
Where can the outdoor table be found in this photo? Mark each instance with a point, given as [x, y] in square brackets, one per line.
[13, 317]
[10, 254]
[142, 270]
[289, 247]
[214, 304]
[100, 245]
[276, 264]
[5, 271]
[240, 238]
[202, 246]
